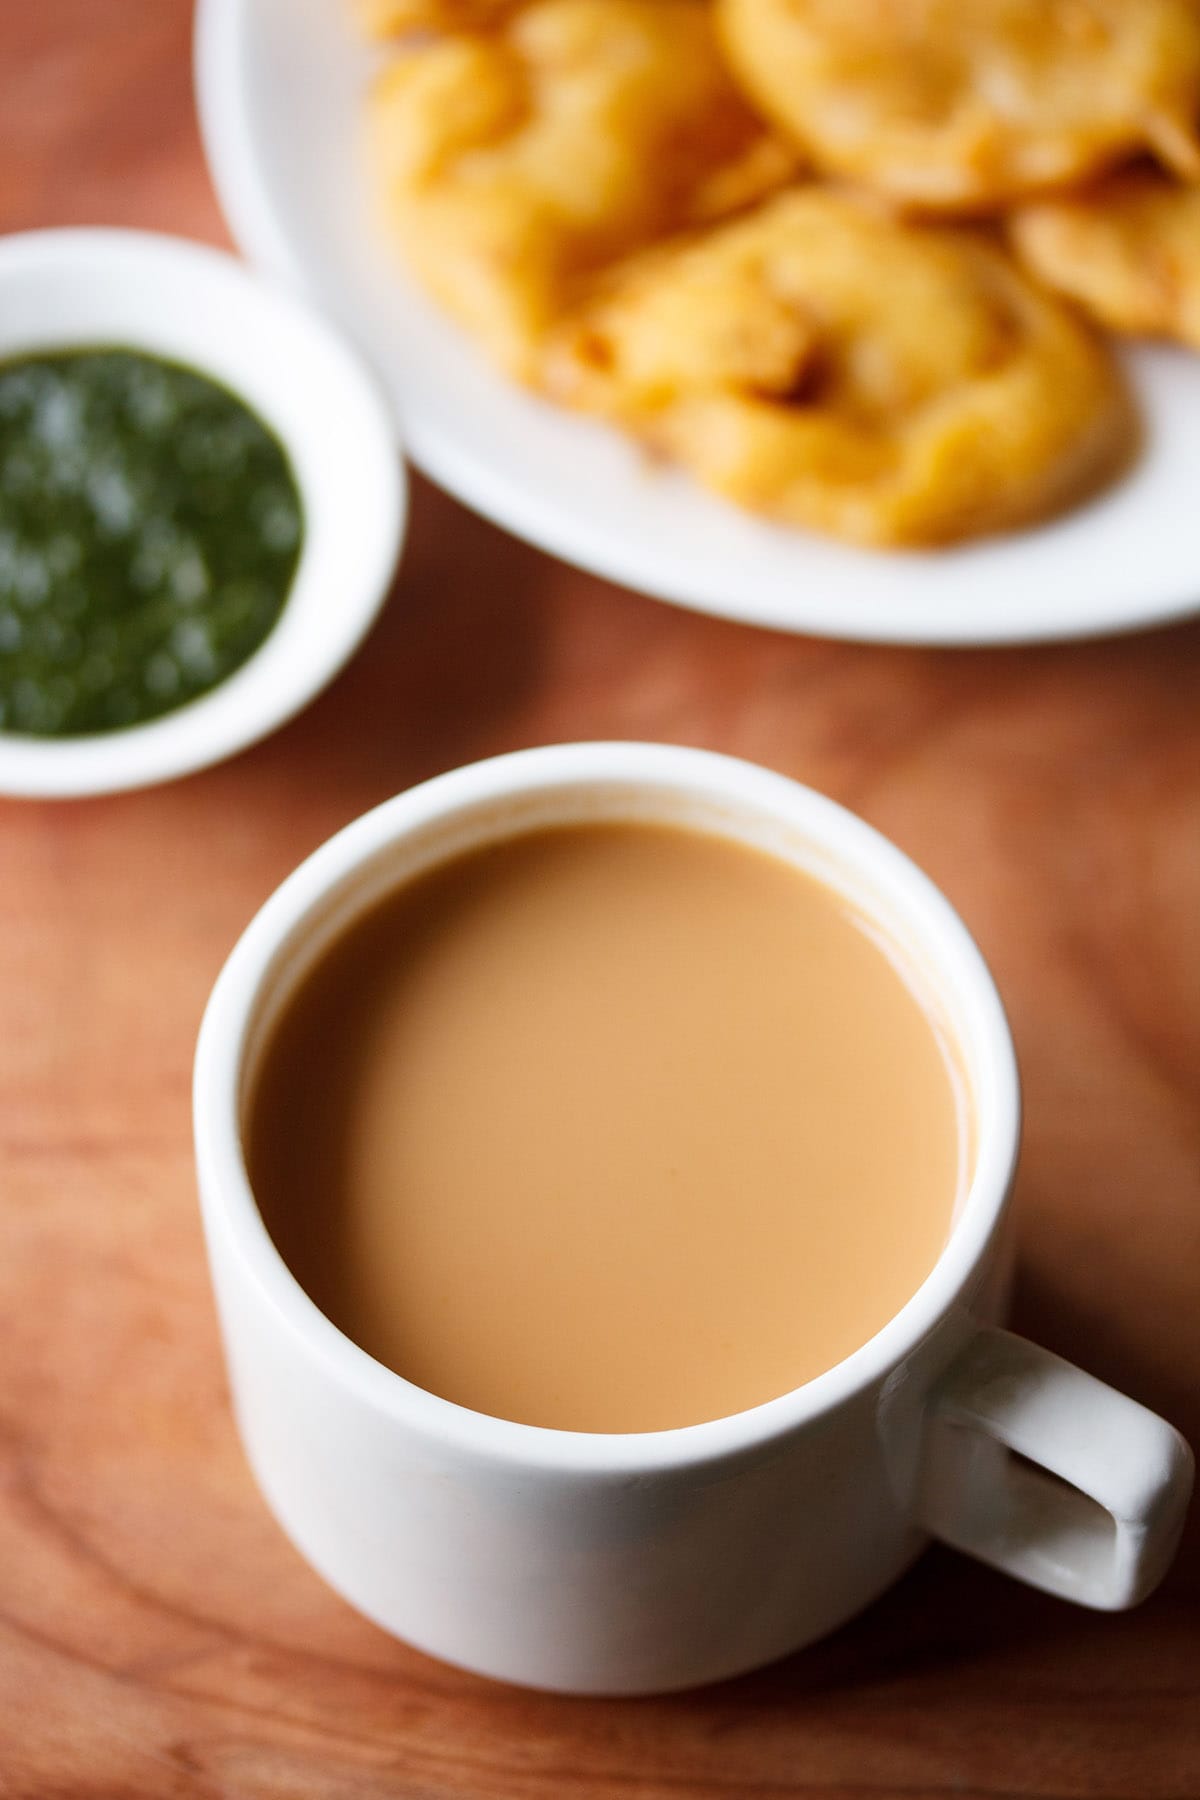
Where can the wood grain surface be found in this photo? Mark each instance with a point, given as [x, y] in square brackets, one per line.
[158, 1636]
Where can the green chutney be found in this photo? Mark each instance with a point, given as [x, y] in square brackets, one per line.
[150, 528]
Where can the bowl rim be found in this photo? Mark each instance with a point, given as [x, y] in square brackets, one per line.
[255, 699]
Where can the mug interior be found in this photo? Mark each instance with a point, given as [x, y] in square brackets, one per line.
[571, 785]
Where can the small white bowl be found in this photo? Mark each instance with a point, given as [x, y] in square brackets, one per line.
[141, 291]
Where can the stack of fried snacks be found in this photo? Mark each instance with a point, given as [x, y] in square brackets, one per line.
[839, 259]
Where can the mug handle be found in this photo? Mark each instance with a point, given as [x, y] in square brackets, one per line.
[1097, 1520]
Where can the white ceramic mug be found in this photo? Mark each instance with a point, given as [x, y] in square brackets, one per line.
[607, 1564]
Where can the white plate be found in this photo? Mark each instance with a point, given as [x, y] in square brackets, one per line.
[280, 87]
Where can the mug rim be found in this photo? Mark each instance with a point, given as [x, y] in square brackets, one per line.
[228, 1202]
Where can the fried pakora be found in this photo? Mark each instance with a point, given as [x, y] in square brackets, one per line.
[394, 18]
[964, 105]
[1127, 249]
[829, 366]
[518, 162]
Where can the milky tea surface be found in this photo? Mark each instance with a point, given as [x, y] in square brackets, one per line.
[608, 1128]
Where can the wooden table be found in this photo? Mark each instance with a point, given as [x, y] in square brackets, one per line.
[158, 1636]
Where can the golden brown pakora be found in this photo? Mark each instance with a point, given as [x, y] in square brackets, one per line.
[824, 364]
[963, 105]
[1127, 249]
[515, 163]
[394, 18]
